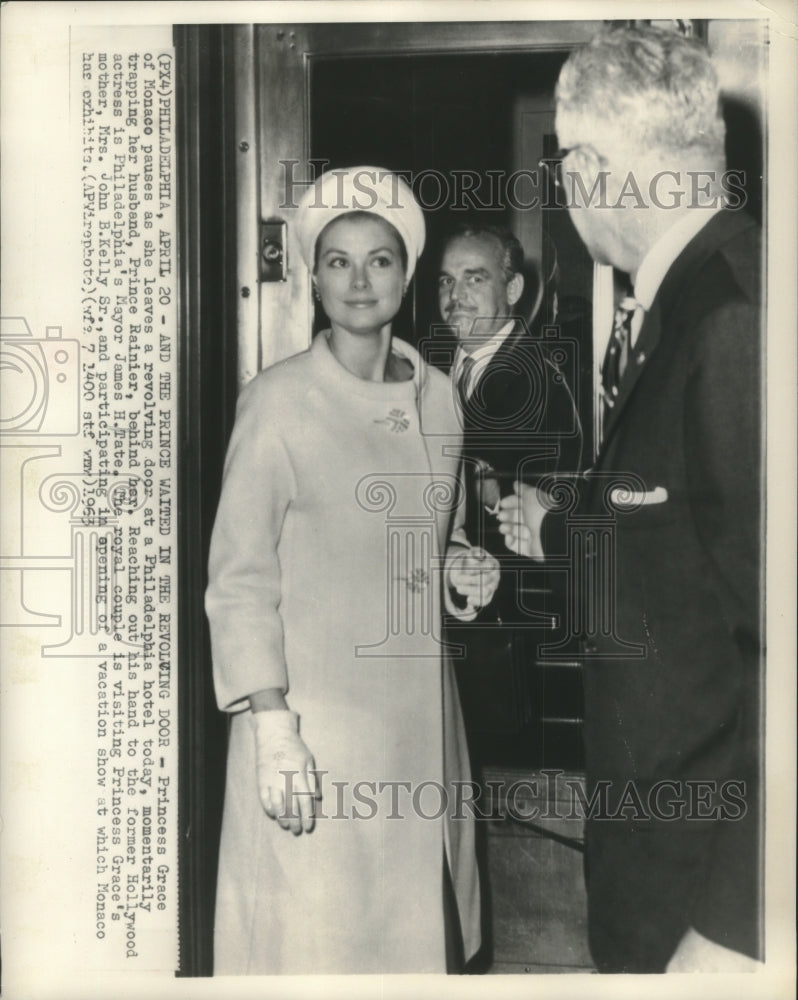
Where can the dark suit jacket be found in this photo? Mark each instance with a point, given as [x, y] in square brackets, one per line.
[520, 422]
[672, 687]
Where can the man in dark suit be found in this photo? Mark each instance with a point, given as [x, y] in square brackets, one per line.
[671, 637]
[514, 388]
[514, 397]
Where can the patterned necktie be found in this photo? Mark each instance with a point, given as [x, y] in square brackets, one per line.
[462, 382]
[617, 357]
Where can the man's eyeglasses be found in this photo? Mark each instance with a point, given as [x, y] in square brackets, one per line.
[552, 165]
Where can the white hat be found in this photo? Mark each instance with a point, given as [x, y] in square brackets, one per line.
[360, 189]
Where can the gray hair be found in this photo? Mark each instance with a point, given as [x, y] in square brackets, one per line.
[655, 84]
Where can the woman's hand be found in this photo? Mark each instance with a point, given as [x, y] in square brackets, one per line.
[474, 574]
[521, 519]
[285, 770]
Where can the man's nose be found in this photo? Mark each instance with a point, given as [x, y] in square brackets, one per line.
[455, 293]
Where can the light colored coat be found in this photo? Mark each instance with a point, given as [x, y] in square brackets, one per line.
[325, 581]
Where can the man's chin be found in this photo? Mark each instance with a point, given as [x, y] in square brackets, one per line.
[461, 324]
[461, 332]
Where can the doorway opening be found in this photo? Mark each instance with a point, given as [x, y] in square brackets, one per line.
[467, 131]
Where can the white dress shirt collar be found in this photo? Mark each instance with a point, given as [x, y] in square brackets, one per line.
[481, 356]
[663, 253]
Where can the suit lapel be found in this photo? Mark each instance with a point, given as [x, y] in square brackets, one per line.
[717, 231]
[513, 357]
[646, 344]
[478, 408]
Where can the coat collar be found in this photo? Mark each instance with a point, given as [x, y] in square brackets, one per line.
[513, 341]
[509, 344]
[720, 229]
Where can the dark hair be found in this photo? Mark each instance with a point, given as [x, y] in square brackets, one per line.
[357, 215]
[512, 253]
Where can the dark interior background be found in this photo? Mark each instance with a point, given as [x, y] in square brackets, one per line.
[432, 116]
[435, 115]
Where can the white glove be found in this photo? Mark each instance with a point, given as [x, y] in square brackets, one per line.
[521, 521]
[474, 574]
[285, 769]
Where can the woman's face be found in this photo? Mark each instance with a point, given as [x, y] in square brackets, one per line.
[360, 275]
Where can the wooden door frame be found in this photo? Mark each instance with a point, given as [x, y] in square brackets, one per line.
[207, 386]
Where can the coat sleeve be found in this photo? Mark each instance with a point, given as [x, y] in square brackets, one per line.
[243, 596]
[723, 454]
[723, 457]
[457, 543]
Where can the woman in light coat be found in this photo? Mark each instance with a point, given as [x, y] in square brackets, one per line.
[334, 548]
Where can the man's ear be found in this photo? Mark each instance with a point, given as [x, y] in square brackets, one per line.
[585, 164]
[584, 159]
[515, 287]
